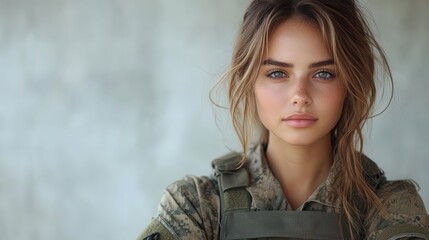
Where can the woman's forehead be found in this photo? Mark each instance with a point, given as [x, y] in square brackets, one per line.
[295, 40]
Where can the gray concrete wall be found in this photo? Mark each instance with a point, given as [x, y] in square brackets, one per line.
[400, 136]
[104, 103]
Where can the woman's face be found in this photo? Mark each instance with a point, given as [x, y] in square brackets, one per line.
[299, 99]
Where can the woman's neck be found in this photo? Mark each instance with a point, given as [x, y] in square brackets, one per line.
[299, 169]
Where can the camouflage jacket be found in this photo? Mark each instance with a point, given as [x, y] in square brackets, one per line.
[189, 208]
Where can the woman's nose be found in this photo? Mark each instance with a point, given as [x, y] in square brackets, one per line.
[300, 96]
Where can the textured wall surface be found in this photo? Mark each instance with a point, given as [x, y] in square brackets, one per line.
[400, 136]
[104, 103]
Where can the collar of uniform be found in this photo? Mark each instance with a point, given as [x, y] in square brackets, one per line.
[267, 193]
[264, 188]
[321, 194]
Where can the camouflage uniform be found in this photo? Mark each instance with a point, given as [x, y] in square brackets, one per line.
[189, 208]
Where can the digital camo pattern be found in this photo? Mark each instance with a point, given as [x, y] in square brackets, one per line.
[189, 208]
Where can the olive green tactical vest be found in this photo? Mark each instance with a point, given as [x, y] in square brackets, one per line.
[239, 222]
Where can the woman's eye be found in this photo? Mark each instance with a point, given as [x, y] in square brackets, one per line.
[324, 75]
[276, 74]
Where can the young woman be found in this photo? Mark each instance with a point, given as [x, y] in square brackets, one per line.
[301, 87]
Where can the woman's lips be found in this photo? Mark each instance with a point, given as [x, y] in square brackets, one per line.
[300, 120]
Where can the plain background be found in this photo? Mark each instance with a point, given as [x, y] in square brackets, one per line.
[103, 103]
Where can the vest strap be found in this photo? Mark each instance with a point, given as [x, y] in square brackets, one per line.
[286, 224]
[232, 182]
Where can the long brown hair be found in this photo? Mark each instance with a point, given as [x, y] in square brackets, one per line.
[355, 51]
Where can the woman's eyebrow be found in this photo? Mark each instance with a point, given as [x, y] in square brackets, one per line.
[322, 63]
[270, 61]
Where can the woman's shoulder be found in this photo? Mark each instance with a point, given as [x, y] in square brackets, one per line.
[189, 207]
[193, 185]
[190, 192]
[406, 214]
[401, 197]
